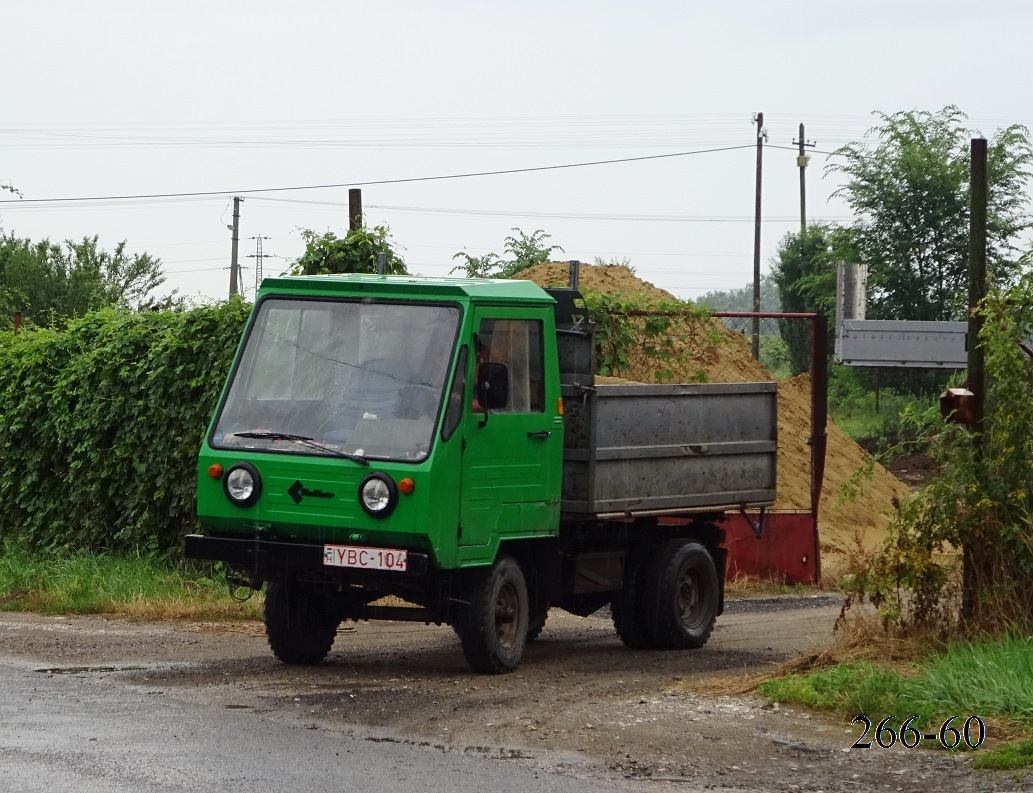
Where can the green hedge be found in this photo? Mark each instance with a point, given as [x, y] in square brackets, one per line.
[100, 425]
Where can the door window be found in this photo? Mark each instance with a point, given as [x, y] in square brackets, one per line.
[517, 343]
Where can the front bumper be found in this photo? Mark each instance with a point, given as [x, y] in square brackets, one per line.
[266, 560]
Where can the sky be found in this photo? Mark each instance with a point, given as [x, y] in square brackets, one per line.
[141, 99]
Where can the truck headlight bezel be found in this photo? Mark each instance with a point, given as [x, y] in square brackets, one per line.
[242, 484]
[378, 495]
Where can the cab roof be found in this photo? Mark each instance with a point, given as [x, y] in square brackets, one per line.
[407, 287]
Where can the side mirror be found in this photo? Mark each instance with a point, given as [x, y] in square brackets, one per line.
[493, 385]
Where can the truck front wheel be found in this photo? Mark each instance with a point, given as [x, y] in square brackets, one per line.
[493, 627]
[298, 623]
[682, 602]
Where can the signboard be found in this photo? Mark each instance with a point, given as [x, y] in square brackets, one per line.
[902, 343]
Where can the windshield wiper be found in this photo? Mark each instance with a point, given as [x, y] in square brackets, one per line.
[290, 436]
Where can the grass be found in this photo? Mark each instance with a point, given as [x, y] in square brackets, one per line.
[132, 586]
[744, 586]
[989, 679]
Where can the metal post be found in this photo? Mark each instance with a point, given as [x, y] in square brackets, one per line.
[761, 134]
[575, 274]
[258, 256]
[819, 422]
[235, 241]
[354, 208]
[381, 264]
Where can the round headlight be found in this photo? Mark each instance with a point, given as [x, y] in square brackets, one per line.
[378, 495]
[243, 484]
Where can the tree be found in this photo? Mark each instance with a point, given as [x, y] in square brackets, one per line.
[741, 299]
[486, 266]
[908, 184]
[356, 252]
[48, 282]
[804, 272]
[525, 251]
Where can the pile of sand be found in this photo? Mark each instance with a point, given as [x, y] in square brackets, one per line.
[839, 520]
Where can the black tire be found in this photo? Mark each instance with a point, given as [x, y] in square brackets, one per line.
[298, 623]
[629, 619]
[536, 622]
[493, 627]
[683, 596]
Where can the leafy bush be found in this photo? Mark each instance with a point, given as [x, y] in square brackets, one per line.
[100, 424]
[664, 330]
[862, 413]
[981, 501]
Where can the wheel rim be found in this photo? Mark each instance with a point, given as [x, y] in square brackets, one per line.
[689, 599]
[507, 604]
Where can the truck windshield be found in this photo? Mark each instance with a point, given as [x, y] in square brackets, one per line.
[364, 378]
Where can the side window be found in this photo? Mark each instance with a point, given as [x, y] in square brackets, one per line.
[517, 343]
[454, 411]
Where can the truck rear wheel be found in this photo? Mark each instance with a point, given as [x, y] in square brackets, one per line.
[493, 627]
[629, 619]
[684, 591]
[300, 627]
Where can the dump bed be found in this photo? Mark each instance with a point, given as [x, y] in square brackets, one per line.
[669, 448]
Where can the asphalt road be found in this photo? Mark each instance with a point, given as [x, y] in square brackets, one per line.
[90, 734]
[102, 704]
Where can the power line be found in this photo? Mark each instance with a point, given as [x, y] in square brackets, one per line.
[591, 216]
[561, 215]
[472, 174]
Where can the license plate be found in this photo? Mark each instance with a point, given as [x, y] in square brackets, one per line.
[365, 558]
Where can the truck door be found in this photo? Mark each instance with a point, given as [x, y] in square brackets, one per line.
[511, 461]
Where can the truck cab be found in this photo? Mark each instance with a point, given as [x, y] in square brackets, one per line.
[377, 436]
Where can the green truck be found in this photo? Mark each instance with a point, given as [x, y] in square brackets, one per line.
[403, 448]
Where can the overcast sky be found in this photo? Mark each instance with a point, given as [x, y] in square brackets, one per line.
[120, 98]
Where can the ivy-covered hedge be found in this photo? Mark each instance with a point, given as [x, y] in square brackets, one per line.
[100, 425]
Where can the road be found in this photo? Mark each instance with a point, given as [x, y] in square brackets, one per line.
[97, 704]
[90, 733]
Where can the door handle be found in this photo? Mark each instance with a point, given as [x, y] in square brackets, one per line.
[542, 434]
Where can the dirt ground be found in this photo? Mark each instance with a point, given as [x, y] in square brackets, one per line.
[580, 703]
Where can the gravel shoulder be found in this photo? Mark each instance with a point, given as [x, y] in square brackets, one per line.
[579, 695]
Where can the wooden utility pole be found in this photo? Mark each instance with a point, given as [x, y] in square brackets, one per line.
[977, 276]
[975, 553]
[354, 208]
[761, 136]
[235, 241]
[801, 162]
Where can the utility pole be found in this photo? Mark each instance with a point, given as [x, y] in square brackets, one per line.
[354, 208]
[974, 558]
[235, 228]
[257, 256]
[762, 135]
[977, 275]
[801, 161]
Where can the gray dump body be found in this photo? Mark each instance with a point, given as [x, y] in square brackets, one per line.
[669, 448]
[640, 449]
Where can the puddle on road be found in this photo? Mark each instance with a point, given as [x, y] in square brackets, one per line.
[83, 670]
